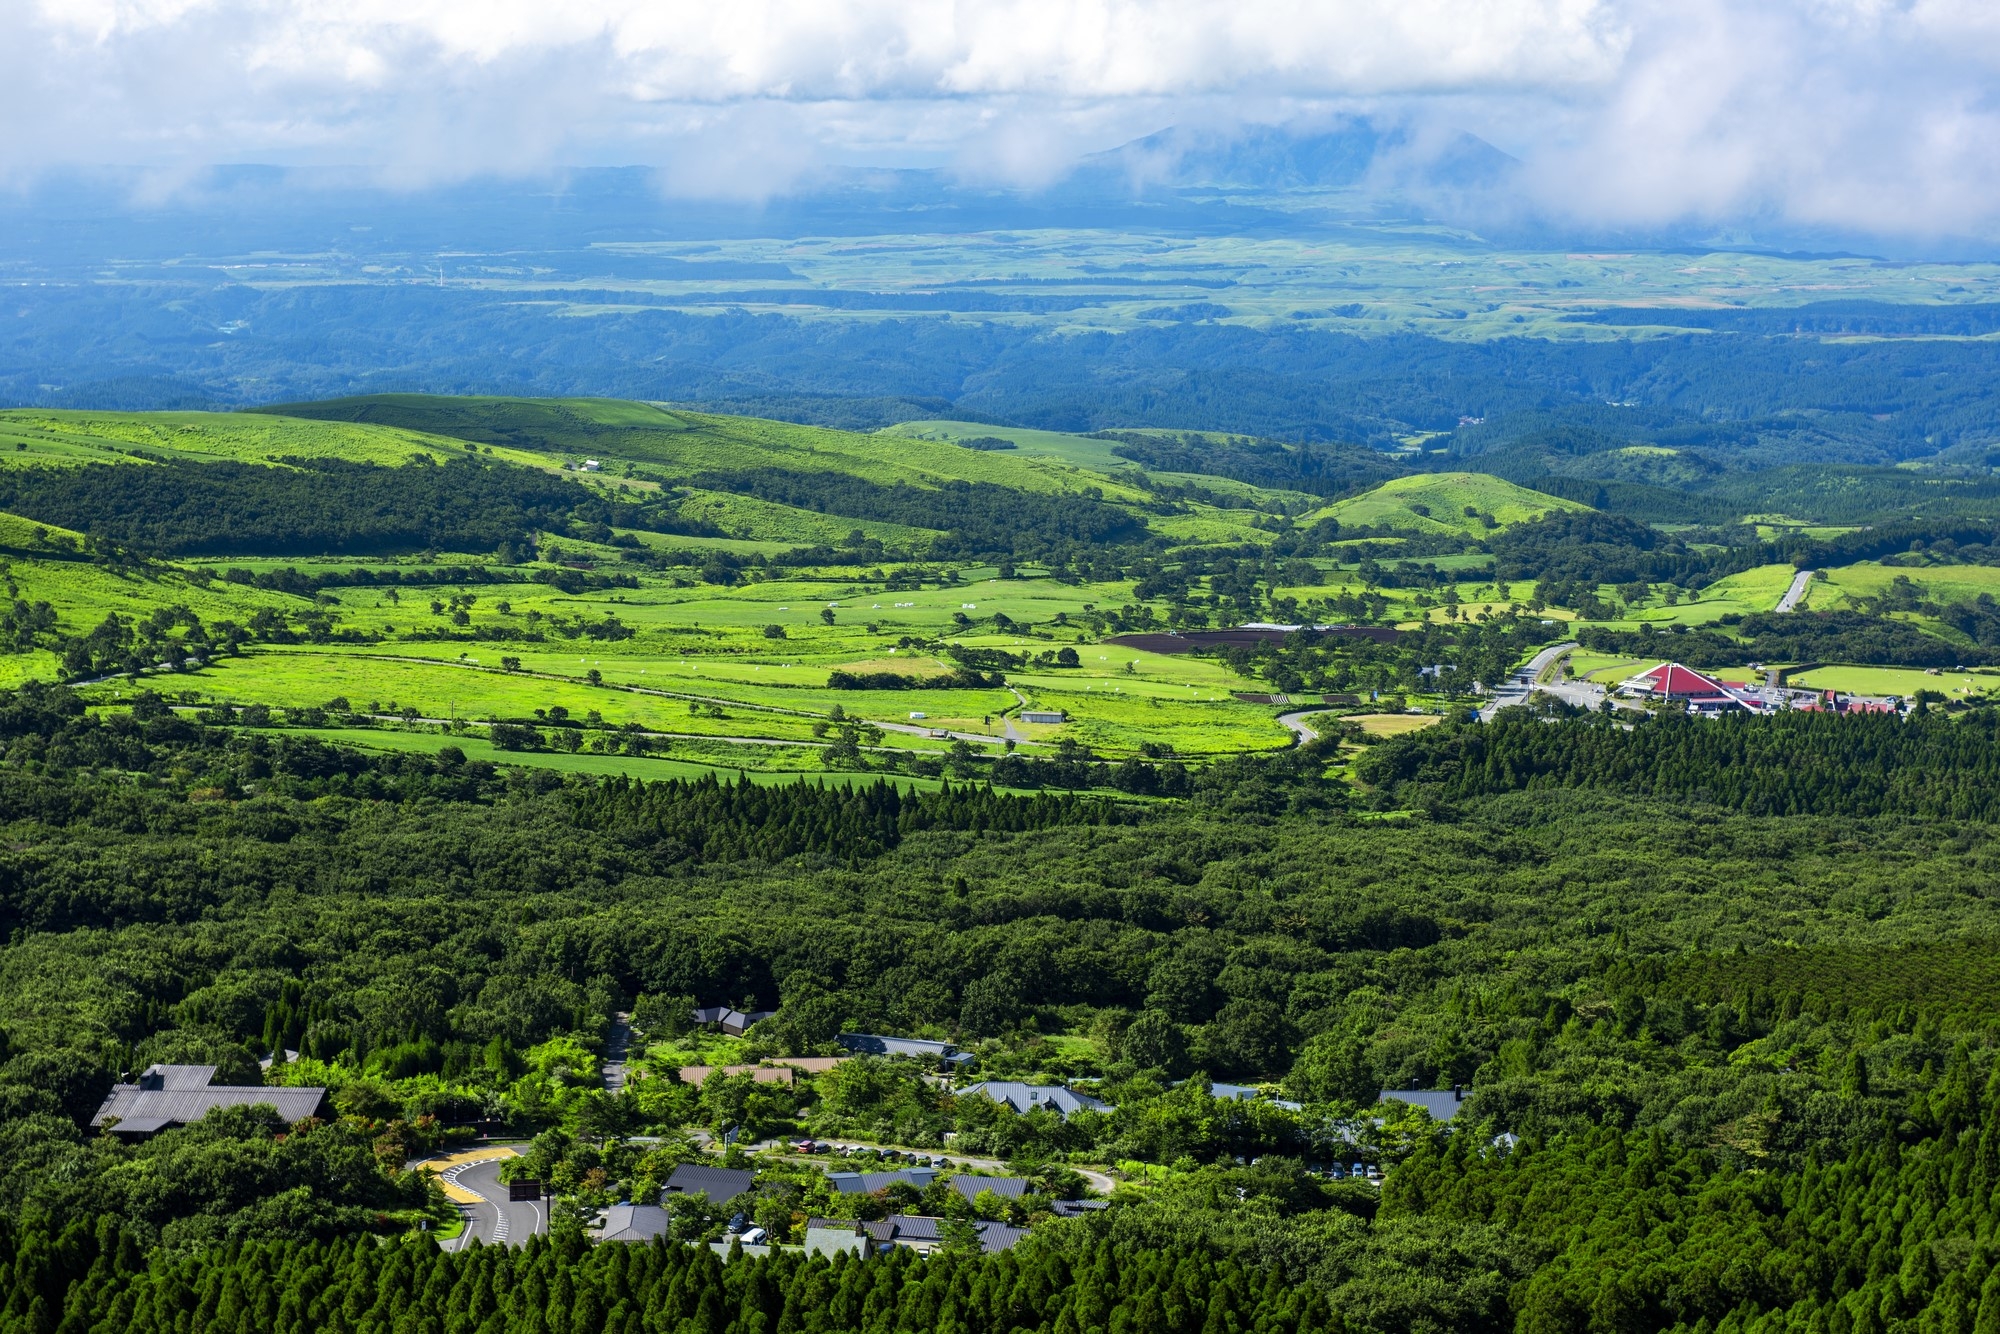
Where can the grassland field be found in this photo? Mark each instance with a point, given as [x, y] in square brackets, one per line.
[1900, 681]
[735, 676]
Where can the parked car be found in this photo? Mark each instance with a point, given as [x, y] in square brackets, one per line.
[804, 1146]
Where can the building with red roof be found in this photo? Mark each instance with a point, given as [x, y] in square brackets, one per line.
[1703, 694]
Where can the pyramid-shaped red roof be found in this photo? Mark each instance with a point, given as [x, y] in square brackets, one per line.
[1670, 678]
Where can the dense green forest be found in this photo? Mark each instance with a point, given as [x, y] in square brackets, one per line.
[322, 506]
[1728, 987]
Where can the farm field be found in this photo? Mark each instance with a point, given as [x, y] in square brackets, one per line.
[1393, 724]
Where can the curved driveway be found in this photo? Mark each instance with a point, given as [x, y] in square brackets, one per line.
[489, 1215]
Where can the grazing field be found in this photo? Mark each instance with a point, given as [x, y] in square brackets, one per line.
[650, 603]
[1743, 594]
[1902, 682]
[1438, 503]
[1393, 724]
[1854, 585]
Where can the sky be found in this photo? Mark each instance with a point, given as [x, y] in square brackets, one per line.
[1869, 116]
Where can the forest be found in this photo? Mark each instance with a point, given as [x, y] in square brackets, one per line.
[1721, 993]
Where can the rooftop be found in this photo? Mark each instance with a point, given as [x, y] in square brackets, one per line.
[166, 1096]
[718, 1183]
[1026, 1098]
[1442, 1104]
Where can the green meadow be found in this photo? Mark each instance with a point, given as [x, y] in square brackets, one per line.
[719, 649]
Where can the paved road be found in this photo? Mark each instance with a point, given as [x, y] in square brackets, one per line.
[494, 1221]
[1295, 723]
[1797, 592]
[616, 1043]
[1520, 684]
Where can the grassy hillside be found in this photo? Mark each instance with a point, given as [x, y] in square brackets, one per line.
[676, 444]
[40, 438]
[1437, 503]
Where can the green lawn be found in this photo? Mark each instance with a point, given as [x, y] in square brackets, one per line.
[1900, 681]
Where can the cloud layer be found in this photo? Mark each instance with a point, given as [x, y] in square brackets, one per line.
[1868, 115]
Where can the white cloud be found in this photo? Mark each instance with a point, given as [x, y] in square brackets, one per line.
[1875, 114]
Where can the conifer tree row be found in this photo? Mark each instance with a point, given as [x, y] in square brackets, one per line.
[91, 1278]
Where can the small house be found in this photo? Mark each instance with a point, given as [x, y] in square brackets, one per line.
[719, 1184]
[867, 1183]
[634, 1223]
[733, 1022]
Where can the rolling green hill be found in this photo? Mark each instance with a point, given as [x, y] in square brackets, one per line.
[1438, 503]
[676, 445]
[40, 438]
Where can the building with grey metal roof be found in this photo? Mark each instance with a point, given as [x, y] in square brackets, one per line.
[875, 1044]
[867, 1183]
[1442, 1104]
[1007, 1188]
[633, 1222]
[168, 1096]
[720, 1184]
[918, 1232]
[1025, 1098]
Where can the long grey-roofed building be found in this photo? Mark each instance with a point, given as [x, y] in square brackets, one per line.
[167, 1096]
[1025, 1098]
[720, 1184]
[634, 1222]
[917, 1232]
[1442, 1104]
[875, 1044]
[1007, 1188]
[867, 1183]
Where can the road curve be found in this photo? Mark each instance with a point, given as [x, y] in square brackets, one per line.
[1295, 723]
[1797, 592]
[494, 1219]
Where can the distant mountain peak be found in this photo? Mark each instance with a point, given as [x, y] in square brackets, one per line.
[1346, 152]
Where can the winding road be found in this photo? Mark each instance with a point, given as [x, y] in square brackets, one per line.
[1521, 683]
[1295, 723]
[473, 1182]
[1797, 592]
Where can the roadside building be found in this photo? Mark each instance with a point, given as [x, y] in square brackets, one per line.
[1672, 682]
